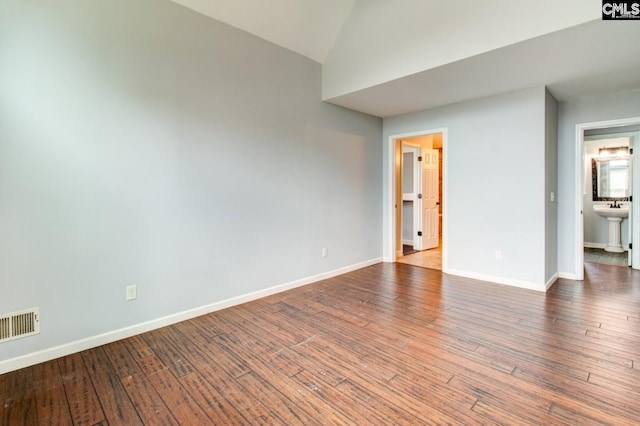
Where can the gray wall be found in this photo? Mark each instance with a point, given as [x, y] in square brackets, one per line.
[142, 143]
[495, 183]
[551, 186]
[570, 113]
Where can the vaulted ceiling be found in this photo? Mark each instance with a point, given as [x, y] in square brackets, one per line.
[590, 57]
[307, 27]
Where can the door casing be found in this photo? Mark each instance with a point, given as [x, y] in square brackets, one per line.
[579, 188]
[390, 220]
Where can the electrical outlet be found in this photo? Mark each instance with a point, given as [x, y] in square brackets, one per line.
[132, 292]
[498, 254]
[325, 252]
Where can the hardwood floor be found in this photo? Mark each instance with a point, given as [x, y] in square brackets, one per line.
[388, 344]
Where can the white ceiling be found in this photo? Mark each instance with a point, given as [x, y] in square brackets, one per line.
[308, 27]
[596, 57]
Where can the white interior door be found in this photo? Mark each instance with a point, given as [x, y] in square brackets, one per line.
[417, 201]
[430, 198]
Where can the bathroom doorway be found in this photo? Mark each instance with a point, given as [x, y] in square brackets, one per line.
[419, 199]
[608, 180]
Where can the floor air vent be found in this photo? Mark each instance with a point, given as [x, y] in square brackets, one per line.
[19, 324]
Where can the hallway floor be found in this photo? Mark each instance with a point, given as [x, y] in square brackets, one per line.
[431, 258]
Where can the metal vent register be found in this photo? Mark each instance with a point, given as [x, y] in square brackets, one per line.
[19, 324]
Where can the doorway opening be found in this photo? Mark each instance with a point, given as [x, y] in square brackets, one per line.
[419, 199]
[607, 182]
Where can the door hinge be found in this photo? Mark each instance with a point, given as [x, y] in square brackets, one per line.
[419, 233]
[419, 157]
[419, 196]
[631, 198]
[631, 151]
[630, 246]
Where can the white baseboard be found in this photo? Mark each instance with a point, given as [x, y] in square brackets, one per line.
[594, 245]
[552, 280]
[568, 276]
[601, 246]
[498, 280]
[123, 333]
[407, 242]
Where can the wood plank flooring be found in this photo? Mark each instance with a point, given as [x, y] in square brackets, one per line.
[388, 344]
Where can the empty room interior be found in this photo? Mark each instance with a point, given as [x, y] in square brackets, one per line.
[319, 212]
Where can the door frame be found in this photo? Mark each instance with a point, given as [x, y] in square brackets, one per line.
[389, 194]
[579, 194]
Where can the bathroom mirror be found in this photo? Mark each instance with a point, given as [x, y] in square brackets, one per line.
[610, 178]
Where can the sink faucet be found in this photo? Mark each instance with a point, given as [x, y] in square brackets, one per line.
[615, 205]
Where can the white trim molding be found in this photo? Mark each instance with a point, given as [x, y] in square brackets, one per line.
[579, 187]
[123, 333]
[594, 245]
[568, 276]
[388, 226]
[551, 281]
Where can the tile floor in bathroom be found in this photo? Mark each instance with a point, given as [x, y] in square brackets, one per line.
[601, 256]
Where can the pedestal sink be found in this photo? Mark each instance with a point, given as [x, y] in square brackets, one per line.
[614, 215]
